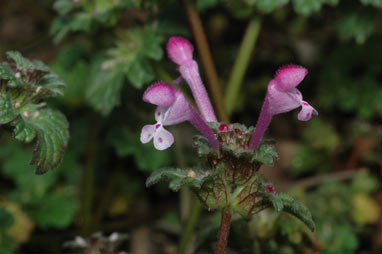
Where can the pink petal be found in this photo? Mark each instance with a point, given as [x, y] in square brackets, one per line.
[163, 139]
[160, 93]
[289, 76]
[179, 111]
[179, 50]
[282, 101]
[147, 133]
[306, 112]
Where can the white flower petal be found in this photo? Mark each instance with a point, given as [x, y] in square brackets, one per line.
[163, 139]
[147, 133]
[306, 112]
[160, 113]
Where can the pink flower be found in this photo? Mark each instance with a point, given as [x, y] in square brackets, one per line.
[180, 51]
[282, 96]
[173, 108]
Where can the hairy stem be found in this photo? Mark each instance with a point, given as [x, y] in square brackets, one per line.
[241, 63]
[199, 124]
[223, 232]
[190, 226]
[205, 55]
[261, 126]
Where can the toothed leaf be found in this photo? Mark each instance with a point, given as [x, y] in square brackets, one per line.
[7, 112]
[178, 178]
[6, 74]
[50, 128]
[295, 208]
[104, 88]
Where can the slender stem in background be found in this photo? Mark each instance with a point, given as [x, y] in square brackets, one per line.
[107, 195]
[88, 173]
[187, 201]
[205, 55]
[190, 226]
[241, 63]
[223, 232]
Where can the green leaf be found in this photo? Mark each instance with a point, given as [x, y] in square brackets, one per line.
[140, 73]
[22, 64]
[357, 25]
[63, 7]
[55, 210]
[103, 91]
[6, 74]
[6, 219]
[295, 208]
[269, 5]
[152, 44]
[179, 178]
[36, 76]
[206, 4]
[266, 153]
[126, 143]
[375, 3]
[307, 7]
[7, 112]
[49, 84]
[51, 129]
[16, 167]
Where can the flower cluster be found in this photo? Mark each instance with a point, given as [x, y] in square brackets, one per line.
[173, 108]
[233, 153]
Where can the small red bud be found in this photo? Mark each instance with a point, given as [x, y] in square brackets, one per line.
[270, 189]
[223, 127]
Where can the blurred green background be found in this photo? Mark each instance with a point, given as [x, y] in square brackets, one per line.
[109, 51]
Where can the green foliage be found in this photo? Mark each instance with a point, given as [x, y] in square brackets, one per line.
[357, 25]
[50, 128]
[179, 178]
[268, 6]
[126, 143]
[349, 80]
[104, 88]
[231, 181]
[291, 206]
[87, 16]
[309, 7]
[55, 210]
[24, 83]
[133, 52]
[375, 3]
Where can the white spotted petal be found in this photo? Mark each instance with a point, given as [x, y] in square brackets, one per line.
[147, 133]
[306, 112]
[163, 139]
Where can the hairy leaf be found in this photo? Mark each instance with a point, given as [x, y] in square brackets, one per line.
[179, 178]
[103, 91]
[299, 210]
[7, 111]
[51, 129]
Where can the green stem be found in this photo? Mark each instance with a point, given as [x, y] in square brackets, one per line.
[88, 173]
[205, 55]
[190, 226]
[241, 63]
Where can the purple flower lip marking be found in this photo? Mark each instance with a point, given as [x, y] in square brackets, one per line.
[180, 51]
[282, 96]
[173, 108]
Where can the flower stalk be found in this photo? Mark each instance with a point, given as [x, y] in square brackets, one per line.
[205, 56]
[225, 224]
